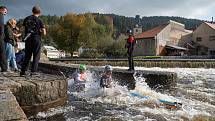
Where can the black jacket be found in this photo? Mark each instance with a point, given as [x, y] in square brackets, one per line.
[9, 37]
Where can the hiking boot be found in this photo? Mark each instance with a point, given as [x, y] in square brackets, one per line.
[35, 74]
[16, 70]
[130, 69]
[23, 73]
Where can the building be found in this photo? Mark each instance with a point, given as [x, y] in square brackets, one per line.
[204, 39]
[160, 39]
[138, 27]
[137, 30]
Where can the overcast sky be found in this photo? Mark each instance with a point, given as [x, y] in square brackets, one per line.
[198, 9]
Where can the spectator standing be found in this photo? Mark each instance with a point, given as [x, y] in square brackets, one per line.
[3, 61]
[130, 46]
[10, 42]
[34, 28]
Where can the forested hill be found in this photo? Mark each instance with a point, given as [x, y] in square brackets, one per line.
[123, 23]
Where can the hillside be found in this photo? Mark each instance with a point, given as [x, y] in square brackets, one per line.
[122, 23]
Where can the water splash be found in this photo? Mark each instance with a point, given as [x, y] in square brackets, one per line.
[118, 103]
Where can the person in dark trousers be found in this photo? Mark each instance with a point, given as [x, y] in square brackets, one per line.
[20, 56]
[130, 46]
[34, 28]
[3, 59]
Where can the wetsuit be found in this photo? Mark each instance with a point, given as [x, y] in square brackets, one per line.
[105, 81]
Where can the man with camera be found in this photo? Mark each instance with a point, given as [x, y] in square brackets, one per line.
[3, 59]
[34, 28]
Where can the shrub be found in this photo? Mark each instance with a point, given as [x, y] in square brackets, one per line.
[91, 54]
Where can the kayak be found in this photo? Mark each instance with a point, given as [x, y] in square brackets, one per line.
[135, 94]
[161, 102]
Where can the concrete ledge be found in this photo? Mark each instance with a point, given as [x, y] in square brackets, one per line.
[155, 79]
[36, 93]
[9, 108]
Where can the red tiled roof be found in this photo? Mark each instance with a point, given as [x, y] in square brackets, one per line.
[211, 25]
[151, 33]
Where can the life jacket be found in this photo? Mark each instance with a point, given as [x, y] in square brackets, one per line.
[105, 81]
[131, 39]
[79, 78]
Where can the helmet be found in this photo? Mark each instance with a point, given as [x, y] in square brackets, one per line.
[129, 31]
[82, 67]
[108, 68]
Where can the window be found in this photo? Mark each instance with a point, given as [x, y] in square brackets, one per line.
[212, 52]
[212, 38]
[198, 39]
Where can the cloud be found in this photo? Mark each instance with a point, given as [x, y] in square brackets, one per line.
[200, 9]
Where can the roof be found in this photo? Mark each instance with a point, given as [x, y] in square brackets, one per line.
[211, 25]
[151, 33]
[176, 47]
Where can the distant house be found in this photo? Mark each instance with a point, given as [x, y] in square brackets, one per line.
[160, 39]
[204, 39]
[137, 30]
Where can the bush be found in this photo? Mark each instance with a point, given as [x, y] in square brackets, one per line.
[91, 54]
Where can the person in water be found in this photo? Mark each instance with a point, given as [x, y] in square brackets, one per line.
[106, 79]
[80, 78]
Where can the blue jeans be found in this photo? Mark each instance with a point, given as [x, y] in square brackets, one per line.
[11, 58]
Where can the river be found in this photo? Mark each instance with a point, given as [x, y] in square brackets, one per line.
[195, 90]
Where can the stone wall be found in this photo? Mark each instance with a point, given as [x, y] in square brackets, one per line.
[36, 93]
[9, 108]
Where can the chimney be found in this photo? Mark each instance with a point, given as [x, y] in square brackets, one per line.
[212, 20]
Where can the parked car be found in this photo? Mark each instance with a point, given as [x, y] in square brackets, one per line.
[62, 54]
[75, 54]
[51, 52]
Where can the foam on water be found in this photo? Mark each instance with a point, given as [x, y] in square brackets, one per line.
[121, 96]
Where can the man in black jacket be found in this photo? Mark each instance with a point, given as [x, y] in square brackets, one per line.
[3, 61]
[34, 28]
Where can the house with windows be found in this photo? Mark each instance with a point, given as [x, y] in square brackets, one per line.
[161, 40]
[137, 30]
[204, 39]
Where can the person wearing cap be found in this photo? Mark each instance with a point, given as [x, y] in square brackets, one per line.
[34, 28]
[106, 79]
[80, 78]
[130, 46]
[3, 59]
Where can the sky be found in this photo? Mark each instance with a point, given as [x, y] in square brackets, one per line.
[196, 9]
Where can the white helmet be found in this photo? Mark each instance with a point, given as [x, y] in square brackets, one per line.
[108, 68]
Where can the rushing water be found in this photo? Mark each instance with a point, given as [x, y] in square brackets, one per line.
[195, 90]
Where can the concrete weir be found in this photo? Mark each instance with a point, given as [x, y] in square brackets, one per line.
[155, 79]
[21, 96]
